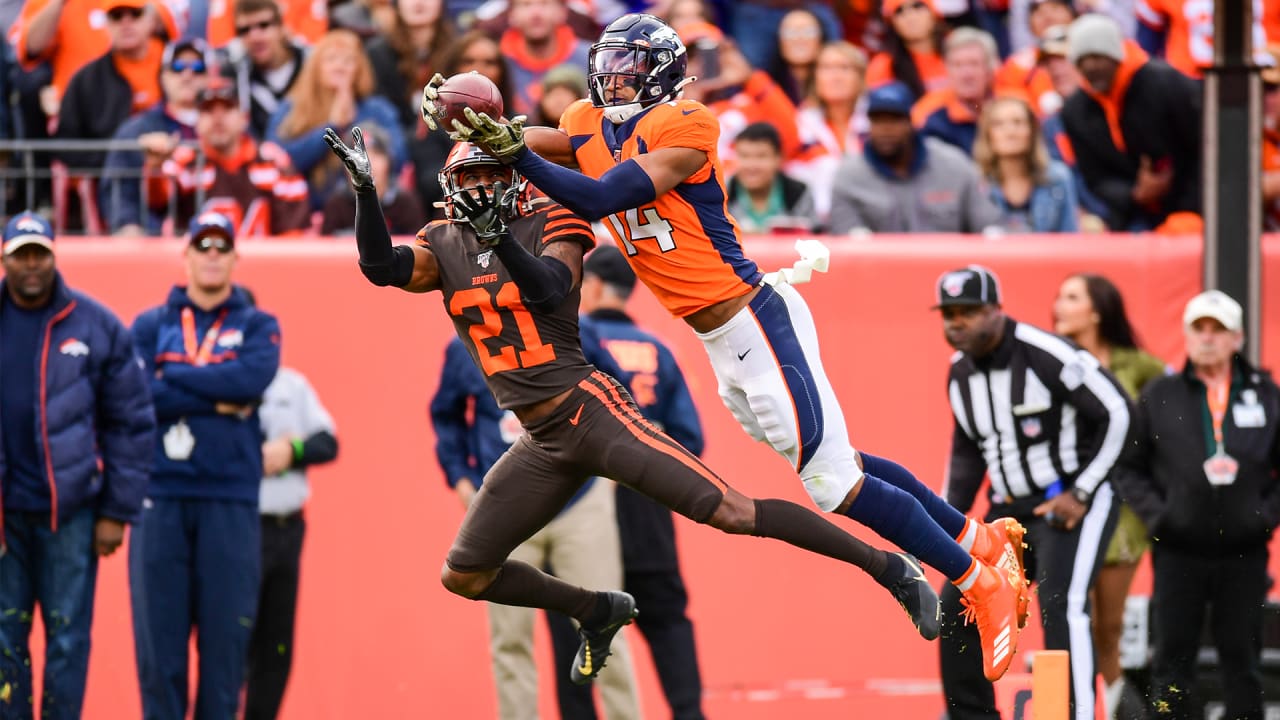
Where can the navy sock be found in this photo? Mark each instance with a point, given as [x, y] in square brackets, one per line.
[950, 519]
[897, 517]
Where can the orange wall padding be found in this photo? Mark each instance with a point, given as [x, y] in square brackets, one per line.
[779, 631]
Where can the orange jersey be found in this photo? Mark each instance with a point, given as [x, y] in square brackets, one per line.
[1188, 29]
[684, 246]
[81, 36]
[305, 20]
[933, 72]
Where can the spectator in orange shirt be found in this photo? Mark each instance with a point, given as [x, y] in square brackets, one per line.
[800, 37]
[735, 92]
[1027, 71]
[537, 40]
[951, 114]
[306, 21]
[832, 121]
[69, 33]
[1271, 144]
[913, 54]
[123, 81]
[264, 60]
[1181, 32]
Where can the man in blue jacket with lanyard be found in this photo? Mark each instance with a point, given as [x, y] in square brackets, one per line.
[195, 556]
[652, 569]
[77, 429]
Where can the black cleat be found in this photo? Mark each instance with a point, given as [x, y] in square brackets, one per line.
[917, 597]
[594, 649]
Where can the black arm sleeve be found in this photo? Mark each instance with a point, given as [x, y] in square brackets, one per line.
[381, 262]
[322, 447]
[544, 282]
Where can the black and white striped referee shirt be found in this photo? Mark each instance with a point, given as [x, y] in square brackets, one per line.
[1036, 410]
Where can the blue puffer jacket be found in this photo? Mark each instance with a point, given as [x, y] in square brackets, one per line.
[225, 461]
[92, 395]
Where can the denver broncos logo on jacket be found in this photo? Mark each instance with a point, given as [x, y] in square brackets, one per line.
[684, 245]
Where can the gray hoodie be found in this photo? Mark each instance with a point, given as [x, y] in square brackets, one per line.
[943, 194]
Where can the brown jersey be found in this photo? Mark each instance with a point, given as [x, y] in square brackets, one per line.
[526, 357]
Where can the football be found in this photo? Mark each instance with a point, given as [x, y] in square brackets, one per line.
[469, 90]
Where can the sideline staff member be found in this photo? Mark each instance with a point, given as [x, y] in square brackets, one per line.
[1200, 470]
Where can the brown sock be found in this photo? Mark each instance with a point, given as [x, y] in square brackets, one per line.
[523, 585]
[792, 524]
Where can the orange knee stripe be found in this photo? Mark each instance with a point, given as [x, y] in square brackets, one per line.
[631, 425]
[658, 435]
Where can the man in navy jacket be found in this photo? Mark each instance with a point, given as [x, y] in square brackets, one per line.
[195, 556]
[77, 428]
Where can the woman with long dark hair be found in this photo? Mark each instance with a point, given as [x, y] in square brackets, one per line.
[405, 58]
[913, 48]
[800, 38]
[1090, 311]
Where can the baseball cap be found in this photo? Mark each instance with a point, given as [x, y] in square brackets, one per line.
[218, 90]
[211, 223]
[607, 263]
[894, 98]
[890, 7]
[1054, 42]
[192, 43]
[27, 228]
[108, 5]
[972, 285]
[1217, 305]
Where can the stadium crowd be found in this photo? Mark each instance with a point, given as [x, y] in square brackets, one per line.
[884, 116]
[865, 116]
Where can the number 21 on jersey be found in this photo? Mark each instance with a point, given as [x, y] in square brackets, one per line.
[628, 228]
[491, 325]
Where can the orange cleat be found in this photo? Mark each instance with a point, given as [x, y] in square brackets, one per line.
[999, 544]
[992, 603]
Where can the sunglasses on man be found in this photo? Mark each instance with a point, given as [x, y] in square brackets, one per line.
[212, 242]
[195, 66]
[242, 30]
[116, 14]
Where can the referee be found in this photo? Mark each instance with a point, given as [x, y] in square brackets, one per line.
[1044, 420]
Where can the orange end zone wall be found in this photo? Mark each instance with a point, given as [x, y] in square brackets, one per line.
[778, 631]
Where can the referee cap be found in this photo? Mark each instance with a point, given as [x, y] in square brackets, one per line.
[971, 285]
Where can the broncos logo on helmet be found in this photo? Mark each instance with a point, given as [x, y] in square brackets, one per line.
[517, 200]
[637, 63]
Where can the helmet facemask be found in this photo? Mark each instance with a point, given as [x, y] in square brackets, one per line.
[626, 77]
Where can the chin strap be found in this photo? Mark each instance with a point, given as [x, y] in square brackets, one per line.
[618, 114]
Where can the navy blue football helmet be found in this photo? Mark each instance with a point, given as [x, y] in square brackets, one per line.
[639, 52]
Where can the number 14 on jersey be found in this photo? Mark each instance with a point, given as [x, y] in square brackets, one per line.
[628, 228]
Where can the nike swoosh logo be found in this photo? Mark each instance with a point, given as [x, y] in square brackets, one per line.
[574, 422]
[586, 660]
[744, 353]
[689, 112]
[917, 571]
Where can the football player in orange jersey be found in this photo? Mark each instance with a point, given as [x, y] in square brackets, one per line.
[650, 171]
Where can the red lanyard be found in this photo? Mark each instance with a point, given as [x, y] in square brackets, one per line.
[1217, 398]
[201, 355]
